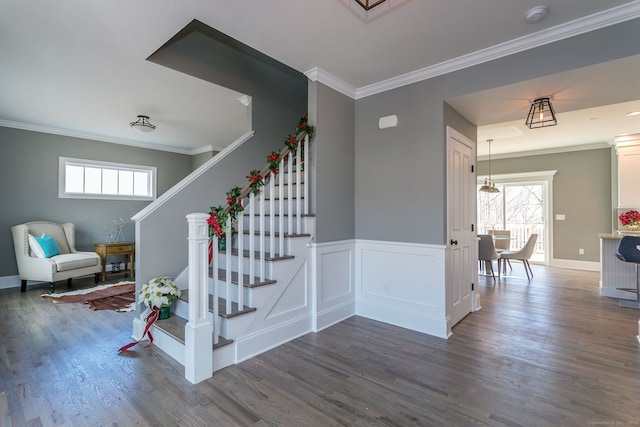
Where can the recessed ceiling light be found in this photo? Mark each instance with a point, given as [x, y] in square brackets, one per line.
[536, 14]
[634, 113]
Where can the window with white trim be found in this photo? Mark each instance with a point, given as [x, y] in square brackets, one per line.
[92, 179]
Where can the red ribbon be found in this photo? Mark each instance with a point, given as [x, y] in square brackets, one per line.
[150, 319]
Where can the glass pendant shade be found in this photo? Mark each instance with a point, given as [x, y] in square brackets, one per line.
[489, 186]
[541, 114]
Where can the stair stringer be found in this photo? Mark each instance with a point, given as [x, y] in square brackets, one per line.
[286, 314]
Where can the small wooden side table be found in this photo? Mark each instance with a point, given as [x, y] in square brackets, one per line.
[128, 249]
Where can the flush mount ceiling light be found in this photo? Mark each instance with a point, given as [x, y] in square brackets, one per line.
[369, 4]
[142, 124]
[541, 114]
[489, 186]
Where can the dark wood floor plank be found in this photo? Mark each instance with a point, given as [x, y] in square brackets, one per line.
[546, 352]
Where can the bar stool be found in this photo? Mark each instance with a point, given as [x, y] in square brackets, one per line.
[629, 251]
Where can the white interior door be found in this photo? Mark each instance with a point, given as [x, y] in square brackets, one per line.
[461, 215]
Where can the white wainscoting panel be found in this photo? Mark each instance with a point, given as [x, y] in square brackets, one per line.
[334, 290]
[402, 284]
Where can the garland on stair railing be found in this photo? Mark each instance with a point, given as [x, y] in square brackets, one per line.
[219, 215]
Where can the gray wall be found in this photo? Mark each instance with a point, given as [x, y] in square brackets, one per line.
[29, 165]
[201, 158]
[332, 163]
[581, 191]
[400, 172]
[455, 120]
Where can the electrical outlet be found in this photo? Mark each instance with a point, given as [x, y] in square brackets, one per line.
[581, 251]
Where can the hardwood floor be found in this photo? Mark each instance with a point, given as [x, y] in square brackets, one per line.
[548, 352]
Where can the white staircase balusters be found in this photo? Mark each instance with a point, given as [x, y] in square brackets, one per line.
[305, 156]
[240, 230]
[289, 166]
[261, 242]
[229, 243]
[272, 216]
[281, 211]
[216, 290]
[252, 242]
[298, 190]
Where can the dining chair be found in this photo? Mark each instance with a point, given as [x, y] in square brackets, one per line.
[487, 253]
[502, 241]
[522, 255]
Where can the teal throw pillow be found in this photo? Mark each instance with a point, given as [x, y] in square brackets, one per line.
[48, 245]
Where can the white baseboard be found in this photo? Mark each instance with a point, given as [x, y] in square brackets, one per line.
[431, 325]
[261, 341]
[7, 282]
[334, 315]
[576, 265]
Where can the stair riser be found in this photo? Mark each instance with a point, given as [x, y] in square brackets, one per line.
[245, 264]
[276, 207]
[235, 327]
[284, 190]
[222, 291]
[267, 224]
[246, 241]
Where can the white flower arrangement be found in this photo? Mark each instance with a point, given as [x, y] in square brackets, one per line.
[159, 292]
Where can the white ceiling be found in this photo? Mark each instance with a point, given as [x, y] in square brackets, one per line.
[77, 69]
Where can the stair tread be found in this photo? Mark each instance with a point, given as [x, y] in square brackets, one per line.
[277, 234]
[222, 306]
[256, 255]
[245, 213]
[222, 275]
[268, 197]
[174, 327]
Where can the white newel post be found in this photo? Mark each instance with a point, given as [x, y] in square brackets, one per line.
[198, 338]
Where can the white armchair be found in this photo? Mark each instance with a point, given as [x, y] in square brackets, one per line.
[66, 265]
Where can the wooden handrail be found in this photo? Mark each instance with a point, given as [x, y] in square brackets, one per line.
[265, 170]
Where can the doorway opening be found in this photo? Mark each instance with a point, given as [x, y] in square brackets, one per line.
[523, 206]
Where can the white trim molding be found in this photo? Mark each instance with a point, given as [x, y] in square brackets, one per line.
[615, 15]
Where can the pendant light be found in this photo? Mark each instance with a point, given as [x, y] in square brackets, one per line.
[369, 4]
[541, 114]
[489, 186]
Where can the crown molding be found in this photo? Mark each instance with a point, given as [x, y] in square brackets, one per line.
[327, 79]
[573, 28]
[102, 138]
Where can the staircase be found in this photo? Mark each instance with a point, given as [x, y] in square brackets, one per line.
[255, 293]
